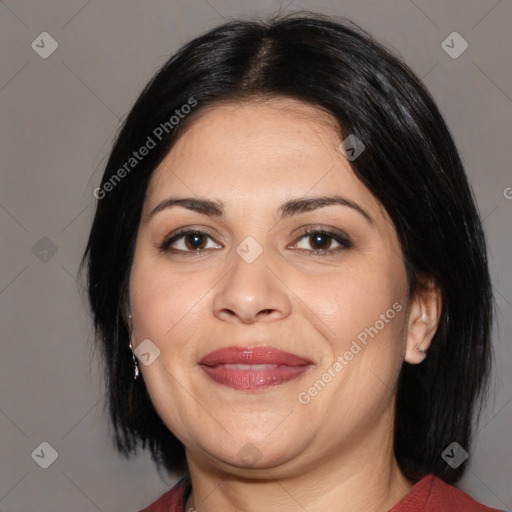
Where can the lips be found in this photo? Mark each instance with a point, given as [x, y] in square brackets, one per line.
[254, 355]
[253, 368]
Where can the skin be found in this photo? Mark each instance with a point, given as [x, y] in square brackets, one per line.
[335, 452]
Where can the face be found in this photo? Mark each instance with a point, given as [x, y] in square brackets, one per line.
[322, 281]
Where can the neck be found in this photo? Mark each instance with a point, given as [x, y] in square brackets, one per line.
[359, 475]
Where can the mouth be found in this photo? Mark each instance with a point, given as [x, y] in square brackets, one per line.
[253, 368]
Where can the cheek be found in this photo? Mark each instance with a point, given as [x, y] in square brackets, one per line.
[361, 313]
[166, 305]
[350, 302]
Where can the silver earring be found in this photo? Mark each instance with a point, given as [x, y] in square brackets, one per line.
[423, 351]
[136, 366]
[136, 372]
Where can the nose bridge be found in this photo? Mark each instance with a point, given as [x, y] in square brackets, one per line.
[250, 290]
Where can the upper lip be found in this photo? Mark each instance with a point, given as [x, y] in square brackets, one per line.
[252, 355]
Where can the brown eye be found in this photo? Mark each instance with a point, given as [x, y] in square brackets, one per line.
[195, 241]
[321, 242]
[188, 241]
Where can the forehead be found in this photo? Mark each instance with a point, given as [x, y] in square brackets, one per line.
[261, 153]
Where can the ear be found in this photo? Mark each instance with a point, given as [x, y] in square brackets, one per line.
[424, 314]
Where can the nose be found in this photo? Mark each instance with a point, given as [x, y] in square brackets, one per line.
[251, 292]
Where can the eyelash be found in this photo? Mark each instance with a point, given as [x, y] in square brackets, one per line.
[344, 242]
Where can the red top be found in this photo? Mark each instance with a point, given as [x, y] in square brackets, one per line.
[430, 494]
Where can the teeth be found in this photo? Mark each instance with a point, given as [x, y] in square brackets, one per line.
[251, 366]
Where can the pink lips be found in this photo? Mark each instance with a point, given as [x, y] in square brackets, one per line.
[253, 368]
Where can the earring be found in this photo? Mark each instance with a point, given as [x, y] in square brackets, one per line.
[136, 372]
[136, 366]
[423, 351]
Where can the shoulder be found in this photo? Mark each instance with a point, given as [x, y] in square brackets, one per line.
[170, 501]
[432, 494]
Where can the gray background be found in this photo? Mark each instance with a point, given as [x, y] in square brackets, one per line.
[58, 119]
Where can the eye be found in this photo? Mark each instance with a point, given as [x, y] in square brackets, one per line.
[188, 240]
[322, 241]
[196, 241]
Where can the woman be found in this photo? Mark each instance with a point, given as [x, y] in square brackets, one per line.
[288, 277]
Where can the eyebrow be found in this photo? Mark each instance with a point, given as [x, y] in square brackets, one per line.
[287, 209]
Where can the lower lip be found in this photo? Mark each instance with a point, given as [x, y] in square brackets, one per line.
[253, 379]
